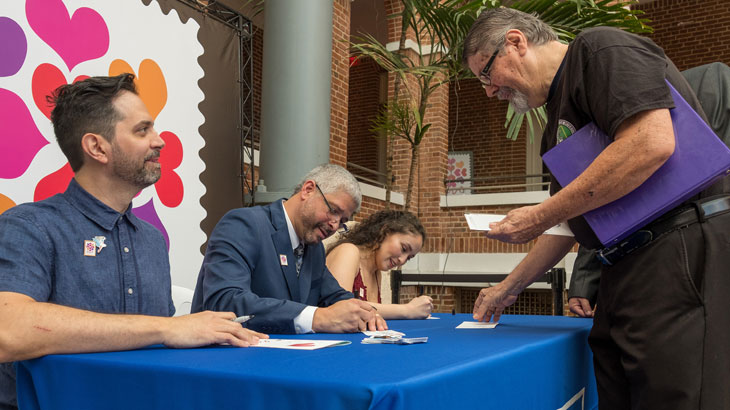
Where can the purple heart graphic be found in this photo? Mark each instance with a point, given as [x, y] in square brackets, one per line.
[20, 139]
[82, 37]
[13, 48]
[148, 213]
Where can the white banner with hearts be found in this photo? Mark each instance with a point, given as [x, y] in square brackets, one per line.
[47, 43]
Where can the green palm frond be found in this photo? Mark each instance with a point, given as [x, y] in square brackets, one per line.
[536, 121]
[568, 18]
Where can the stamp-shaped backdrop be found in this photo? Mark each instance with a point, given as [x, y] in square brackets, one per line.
[47, 43]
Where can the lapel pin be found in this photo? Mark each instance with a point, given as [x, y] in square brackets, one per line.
[283, 261]
[89, 248]
[99, 242]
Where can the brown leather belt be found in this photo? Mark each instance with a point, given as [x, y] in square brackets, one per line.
[697, 211]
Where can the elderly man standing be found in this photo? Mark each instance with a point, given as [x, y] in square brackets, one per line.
[78, 271]
[662, 325]
[268, 261]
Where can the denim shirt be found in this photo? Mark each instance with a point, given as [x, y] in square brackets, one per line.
[53, 251]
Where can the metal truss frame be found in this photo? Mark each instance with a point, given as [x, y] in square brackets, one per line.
[244, 28]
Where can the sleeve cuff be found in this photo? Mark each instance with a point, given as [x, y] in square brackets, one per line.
[303, 322]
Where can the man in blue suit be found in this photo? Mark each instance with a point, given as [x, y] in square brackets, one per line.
[251, 265]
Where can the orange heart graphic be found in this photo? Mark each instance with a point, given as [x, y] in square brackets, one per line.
[150, 83]
[5, 203]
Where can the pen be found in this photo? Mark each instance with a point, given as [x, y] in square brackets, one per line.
[243, 319]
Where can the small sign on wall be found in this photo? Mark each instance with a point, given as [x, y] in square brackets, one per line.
[459, 173]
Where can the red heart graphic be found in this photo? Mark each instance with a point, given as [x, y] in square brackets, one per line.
[46, 78]
[170, 187]
[53, 184]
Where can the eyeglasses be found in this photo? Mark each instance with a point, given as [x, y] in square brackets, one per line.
[487, 81]
[335, 214]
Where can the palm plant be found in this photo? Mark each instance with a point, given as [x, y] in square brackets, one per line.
[437, 29]
[435, 25]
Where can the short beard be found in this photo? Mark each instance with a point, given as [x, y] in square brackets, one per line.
[516, 99]
[128, 170]
[311, 225]
[519, 102]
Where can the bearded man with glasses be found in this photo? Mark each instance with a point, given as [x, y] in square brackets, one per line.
[269, 262]
[661, 331]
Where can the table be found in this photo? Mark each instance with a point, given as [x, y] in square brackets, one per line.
[526, 362]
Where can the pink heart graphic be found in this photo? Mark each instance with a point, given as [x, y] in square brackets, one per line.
[20, 139]
[80, 38]
[46, 78]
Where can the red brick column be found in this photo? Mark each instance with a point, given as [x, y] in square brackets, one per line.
[340, 79]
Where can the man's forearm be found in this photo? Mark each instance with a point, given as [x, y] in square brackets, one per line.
[32, 329]
[548, 250]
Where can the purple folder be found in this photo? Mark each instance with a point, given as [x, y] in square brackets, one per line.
[699, 159]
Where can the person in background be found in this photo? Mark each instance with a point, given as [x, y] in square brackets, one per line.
[79, 272]
[583, 289]
[268, 261]
[384, 241]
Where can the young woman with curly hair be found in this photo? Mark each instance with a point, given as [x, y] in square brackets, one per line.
[384, 241]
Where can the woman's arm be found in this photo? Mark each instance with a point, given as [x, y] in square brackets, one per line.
[418, 308]
[344, 262]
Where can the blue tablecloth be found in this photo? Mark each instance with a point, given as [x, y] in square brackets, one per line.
[527, 362]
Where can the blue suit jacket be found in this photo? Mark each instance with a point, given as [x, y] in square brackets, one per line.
[249, 269]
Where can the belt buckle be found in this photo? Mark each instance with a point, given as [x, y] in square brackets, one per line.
[713, 207]
[609, 256]
[604, 255]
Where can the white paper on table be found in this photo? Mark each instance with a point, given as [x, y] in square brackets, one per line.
[433, 317]
[383, 333]
[396, 341]
[480, 222]
[477, 325]
[299, 344]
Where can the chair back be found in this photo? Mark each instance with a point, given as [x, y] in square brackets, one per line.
[182, 298]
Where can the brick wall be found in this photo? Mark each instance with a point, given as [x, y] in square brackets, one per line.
[370, 206]
[443, 296]
[476, 123]
[340, 79]
[393, 8]
[692, 32]
[364, 104]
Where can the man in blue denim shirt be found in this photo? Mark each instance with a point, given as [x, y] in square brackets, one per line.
[78, 271]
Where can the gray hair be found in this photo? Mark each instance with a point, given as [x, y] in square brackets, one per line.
[491, 27]
[333, 178]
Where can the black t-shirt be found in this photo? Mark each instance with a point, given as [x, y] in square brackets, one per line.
[607, 76]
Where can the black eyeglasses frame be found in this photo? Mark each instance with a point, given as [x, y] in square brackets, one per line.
[332, 212]
[487, 81]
